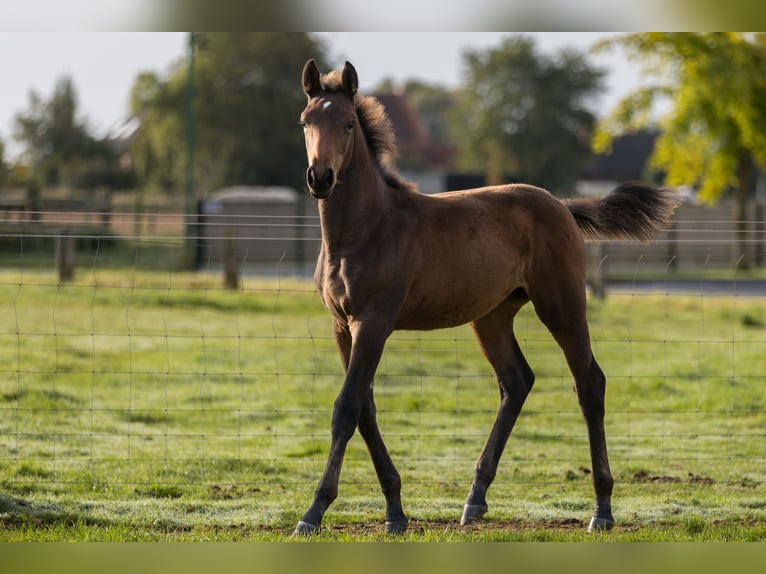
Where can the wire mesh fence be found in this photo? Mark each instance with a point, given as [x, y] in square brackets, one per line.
[145, 373]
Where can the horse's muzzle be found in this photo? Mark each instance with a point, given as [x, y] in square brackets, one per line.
[321, 182]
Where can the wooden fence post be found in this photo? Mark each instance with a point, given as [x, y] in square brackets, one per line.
[65, 256]
[230, 259]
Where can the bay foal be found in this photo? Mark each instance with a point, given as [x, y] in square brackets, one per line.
[393, 258]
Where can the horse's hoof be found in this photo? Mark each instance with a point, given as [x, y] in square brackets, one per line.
[305, 529]
[600, 524]
[396, 526]
[472, 513]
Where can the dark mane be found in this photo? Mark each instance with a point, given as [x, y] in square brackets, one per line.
[377, 128]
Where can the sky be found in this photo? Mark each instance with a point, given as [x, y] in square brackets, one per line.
[103, 65]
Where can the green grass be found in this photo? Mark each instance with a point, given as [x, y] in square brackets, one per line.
[158, 406]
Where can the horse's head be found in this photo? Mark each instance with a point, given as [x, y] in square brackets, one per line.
[329, 122]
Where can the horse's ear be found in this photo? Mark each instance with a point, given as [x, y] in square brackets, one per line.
[311, 81]
[350, 79]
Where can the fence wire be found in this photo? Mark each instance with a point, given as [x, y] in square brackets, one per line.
[139, 375]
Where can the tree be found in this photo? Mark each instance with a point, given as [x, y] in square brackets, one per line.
[3, 166]
[57, 144]
[525, 113]
[712, 135]
[247, 99]
[157, 151]
[434, 105]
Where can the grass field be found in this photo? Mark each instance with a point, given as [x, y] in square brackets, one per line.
[158, 406]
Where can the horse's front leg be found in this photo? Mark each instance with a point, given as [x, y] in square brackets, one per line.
[367, 342]
[390, 481]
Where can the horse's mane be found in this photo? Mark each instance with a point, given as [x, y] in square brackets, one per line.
[377, 128]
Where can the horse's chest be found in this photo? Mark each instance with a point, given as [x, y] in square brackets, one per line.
[337, 301]
[350, 288]
[336, 291]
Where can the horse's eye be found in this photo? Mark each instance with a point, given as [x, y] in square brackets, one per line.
[302, 123]
[350, 125]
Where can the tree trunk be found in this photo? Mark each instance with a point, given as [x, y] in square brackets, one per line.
[742, 252]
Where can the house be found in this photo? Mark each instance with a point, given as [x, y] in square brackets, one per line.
[429, 164]
[627, 161]
[273, 228]
[420, 160]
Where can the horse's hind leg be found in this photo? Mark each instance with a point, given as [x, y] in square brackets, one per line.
[515, 379]
[565, 317]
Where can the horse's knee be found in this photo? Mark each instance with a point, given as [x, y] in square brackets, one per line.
[345, 418]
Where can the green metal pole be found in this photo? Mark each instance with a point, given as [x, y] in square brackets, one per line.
[190, 210]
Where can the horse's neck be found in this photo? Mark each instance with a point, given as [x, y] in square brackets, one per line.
[352, 213]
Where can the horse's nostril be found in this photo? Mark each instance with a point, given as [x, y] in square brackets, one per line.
[320, 180]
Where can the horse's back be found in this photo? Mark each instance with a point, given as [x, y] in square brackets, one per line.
[471, 249]
[518, 215]
[515, 199]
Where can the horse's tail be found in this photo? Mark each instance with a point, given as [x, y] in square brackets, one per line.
[631, 211]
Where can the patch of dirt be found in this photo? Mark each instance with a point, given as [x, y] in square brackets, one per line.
[644, 477]
[581, 471]
[231, 491]
[747, 483]
[697, 479]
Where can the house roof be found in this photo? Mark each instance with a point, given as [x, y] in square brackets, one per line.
[412, 140]
[255, 194]
[627, 159]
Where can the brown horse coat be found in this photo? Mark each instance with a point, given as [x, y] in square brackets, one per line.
[393, 258]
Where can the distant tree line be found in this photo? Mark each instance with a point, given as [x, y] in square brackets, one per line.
[516, 111]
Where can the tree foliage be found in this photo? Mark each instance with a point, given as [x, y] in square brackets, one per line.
[526, 113]
[58, 146]
[712, 134]
[435, 106]
[247, 99]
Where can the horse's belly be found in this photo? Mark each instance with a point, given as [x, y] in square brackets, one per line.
[440, 313]
[444, 296]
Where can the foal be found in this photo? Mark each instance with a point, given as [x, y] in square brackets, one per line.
[392, 258]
